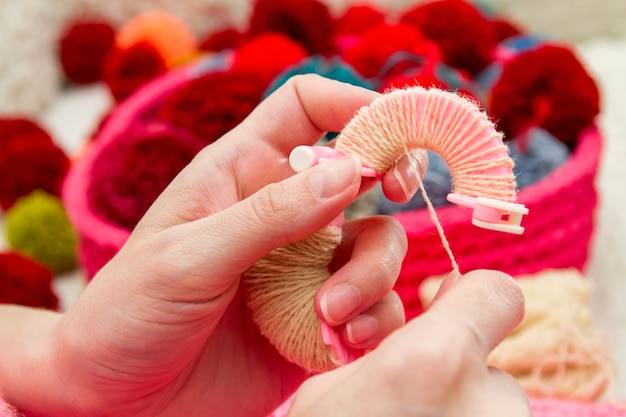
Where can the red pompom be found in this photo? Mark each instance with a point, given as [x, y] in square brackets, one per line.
[213, 104]
[130, 172]
[253, 56]
[224, 39]
[83, 48]
[125, 70]
[411, 79]
[465, 36]
[407, 45]
[15, 128]
[306, 21]
[29, 160]
[504, 29]
[25, 282]
[357, 20]
[431, 78]
[546, 87]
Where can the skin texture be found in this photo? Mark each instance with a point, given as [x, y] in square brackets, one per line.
[163, 330]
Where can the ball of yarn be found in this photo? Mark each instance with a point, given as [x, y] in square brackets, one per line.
[84, 46]
[308, 22]
[29, 160]
[25, 282]
[131, 171]
[125, 70]
[557, 351]
[547, 87]
[38, 227]
[536, 156]
[466, 37]
[389, 49]
[169, 36]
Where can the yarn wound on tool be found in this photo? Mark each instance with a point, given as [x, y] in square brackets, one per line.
[391, 127]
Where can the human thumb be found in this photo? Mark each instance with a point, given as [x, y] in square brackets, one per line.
[230, 241]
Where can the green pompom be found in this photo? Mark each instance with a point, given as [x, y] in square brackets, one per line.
[37, 226]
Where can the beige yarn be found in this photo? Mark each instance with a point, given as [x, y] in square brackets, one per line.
[557, 351]
[280, 288]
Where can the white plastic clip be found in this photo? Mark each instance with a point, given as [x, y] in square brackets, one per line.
[492, 214]
[304, 157]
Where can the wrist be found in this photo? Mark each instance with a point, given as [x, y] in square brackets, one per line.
[26, 336]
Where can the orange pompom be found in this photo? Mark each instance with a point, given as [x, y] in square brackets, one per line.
[170, 37]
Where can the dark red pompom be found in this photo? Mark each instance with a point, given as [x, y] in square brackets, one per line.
[213, 104]
[504, 28]
[224, 39]
[425, 79]
[83, 48]
[25, 282]
[546, 87]
[308, 22]
[465, 36]
[386, 50]
[129, 173]
[14, 128]
[29, 160]
[125, 70]
[357, 20]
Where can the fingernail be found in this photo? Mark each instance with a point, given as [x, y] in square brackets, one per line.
[408, 182]
[338, 303]
[334, 176]
[361, 329]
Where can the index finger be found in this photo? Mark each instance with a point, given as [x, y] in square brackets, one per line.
[487, 304]
[303, 109]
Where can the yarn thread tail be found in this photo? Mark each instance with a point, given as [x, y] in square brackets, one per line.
[281, 287]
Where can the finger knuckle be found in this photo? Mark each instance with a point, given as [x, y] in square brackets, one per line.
[271, 207]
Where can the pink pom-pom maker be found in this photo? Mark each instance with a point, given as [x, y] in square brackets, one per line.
[488, 213]
[304, 157]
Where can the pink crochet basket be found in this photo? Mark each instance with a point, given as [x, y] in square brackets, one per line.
[100, 238]
[559, 229]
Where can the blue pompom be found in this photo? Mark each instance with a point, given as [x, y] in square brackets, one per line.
[333, 68]
[541, 154]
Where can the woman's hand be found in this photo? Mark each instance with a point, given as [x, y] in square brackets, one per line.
[435, 365]
[163, 330]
